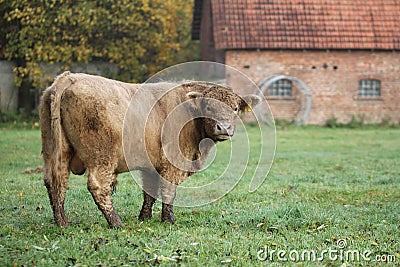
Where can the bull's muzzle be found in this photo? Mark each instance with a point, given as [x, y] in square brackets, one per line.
[223, 131]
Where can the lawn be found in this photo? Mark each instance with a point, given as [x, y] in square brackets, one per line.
[331, 193]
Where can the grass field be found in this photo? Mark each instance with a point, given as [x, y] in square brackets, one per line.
[328, 190]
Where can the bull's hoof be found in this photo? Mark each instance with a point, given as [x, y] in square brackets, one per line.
[113, 220]
[147, 208]
[116, 225]
[61, 221]
[168, 218]
[168, 214]
[145, 215]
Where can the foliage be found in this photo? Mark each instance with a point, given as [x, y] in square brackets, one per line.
[282, 123]
[140, 37]
[325, 185]
[357, 122]
[19, 120]
[7, 117]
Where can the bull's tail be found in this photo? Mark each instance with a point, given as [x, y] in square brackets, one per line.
[54, 145]
[61, 83]
[50, 117]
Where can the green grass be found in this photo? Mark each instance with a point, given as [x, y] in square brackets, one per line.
[325, 185]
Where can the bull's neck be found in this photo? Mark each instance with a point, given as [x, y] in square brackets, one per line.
[199, 124]
[192, 139]
[206, 147]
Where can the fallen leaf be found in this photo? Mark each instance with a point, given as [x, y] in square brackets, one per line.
[149, 229]
[338, 168]
[275, 244]
[30, 171]
[273, 228]
[374, 243]
[164, 258]
[261, 224]
[38, 248]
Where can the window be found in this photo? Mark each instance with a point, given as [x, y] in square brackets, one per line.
[369, 88]
[281, 88]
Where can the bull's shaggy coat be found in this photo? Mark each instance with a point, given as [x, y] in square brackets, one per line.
[88, 123]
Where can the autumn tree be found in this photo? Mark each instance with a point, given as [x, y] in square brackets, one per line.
[140, 37]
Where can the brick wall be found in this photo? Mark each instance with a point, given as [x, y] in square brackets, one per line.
[332, 76]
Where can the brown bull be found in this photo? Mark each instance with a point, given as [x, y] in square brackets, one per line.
[108, 127]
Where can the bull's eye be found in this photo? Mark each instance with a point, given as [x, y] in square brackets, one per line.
[208, 109]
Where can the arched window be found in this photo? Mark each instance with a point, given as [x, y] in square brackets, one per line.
[369, 88]
[281, 88]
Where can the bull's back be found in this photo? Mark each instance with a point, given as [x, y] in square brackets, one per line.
[103, 119]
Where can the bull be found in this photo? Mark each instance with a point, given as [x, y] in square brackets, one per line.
[91, 124]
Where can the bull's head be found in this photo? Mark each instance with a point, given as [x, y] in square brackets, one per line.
[219, 106]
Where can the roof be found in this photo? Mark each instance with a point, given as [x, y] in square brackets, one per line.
[305, 24]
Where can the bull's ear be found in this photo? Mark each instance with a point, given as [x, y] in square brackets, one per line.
[195, 97]
[194, 94]
[249, 102]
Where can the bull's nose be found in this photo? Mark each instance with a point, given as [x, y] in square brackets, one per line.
[224, 129]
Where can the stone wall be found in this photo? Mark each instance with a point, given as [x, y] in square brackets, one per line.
[333, 78]
[8, 92]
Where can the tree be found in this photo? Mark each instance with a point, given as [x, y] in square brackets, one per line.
[141, 37]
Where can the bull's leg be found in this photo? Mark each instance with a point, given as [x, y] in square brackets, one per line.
[99, 185]
[56, 174]
[151, 184]
[168, 192]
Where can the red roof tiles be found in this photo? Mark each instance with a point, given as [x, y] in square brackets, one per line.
[306, 24]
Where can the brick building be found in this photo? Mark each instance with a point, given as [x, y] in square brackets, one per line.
[346, 52]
